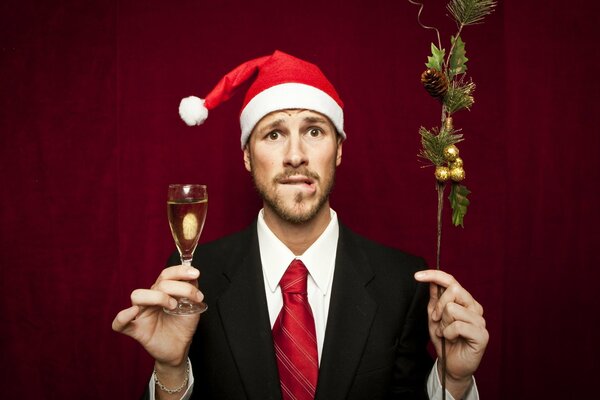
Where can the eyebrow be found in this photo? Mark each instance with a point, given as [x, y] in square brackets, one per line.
[273, 125]
[278, 122]
[315, 120]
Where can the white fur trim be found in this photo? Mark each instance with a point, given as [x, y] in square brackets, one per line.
[193, 111]
[288, 96]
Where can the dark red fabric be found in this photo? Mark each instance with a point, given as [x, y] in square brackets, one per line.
[90, 138]
[295, 338]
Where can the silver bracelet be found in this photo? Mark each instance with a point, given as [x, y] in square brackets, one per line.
[177, 389]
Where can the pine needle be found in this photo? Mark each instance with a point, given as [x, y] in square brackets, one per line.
[434, 144]
[470, 12]
[459, 96]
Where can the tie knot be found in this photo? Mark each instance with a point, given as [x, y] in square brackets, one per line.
[294, 279]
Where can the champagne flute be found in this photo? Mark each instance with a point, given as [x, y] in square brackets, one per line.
[186, 207]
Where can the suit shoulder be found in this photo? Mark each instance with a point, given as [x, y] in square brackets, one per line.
[230, 247]
[380, 253]
[230, 244]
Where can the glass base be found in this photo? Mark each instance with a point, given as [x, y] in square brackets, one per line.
[187, 307]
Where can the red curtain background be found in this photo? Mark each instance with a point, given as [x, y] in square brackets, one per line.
[90, 138]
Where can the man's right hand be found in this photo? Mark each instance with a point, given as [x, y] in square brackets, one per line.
[165, 337]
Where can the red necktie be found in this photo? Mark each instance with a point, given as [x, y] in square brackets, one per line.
[294, 337]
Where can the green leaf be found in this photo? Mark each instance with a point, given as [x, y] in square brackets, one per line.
[459, 203]
[436, 59]
[458, 60]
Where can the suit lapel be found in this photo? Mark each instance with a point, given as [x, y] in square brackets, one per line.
[244, 312]
[351, 313]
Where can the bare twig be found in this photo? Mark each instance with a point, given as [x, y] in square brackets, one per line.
[421, 6]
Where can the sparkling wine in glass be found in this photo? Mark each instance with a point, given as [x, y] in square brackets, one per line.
[186, 208]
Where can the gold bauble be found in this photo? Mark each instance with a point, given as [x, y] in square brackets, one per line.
[450, 153]
[457, 174]
[457, 163]
[442, 174]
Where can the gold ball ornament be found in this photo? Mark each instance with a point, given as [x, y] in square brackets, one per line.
[457, 163]
[450, 153]
[457, 174]
[442, 174]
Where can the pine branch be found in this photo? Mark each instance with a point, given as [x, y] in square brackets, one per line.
[459, 96]
[470, 12]
[434, 143]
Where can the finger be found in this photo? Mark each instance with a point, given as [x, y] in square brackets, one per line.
[180, 289]
[478, 308]
[477, 336]
[435, 276]
[148, 297]
[439, 281]
[457, 294]
[453, 292]
[450, 284]
[124, 317]
[435, 291]
[455, 312]
[179, 272]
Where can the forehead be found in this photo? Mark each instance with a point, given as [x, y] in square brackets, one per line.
[283, 116]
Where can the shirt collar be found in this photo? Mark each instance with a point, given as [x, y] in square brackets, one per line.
[319, 258]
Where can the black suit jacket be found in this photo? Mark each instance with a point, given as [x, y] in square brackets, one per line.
[376, 334]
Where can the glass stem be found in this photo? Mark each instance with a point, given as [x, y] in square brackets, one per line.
[186, 260]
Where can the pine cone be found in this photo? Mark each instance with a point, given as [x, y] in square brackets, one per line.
[435, 83]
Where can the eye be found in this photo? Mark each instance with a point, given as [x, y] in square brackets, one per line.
[273, 135]
[315, 132]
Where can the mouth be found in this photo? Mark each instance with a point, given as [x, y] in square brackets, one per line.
[299, 180]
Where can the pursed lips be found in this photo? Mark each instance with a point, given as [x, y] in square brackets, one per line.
[296, 180]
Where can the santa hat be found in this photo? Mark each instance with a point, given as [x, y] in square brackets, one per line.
[280, 82]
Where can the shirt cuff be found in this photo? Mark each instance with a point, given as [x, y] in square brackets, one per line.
[188, 391]
[434, 387]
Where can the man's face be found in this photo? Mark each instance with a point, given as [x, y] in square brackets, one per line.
[292, 155]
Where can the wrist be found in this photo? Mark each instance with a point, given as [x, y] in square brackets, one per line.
[458, 387]
[171, 367]
[171, 379]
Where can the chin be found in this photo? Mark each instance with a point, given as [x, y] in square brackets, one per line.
[299, 213]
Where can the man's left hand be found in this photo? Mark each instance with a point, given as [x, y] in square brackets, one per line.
[458, 317]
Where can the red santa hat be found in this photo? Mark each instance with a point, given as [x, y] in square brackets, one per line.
[280, 82]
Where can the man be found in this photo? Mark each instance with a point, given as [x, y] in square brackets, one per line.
[361, 316]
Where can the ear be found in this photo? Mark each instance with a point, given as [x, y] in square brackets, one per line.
[338, 159]
[247, 162]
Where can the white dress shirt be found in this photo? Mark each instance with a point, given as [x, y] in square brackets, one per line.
[319, 260]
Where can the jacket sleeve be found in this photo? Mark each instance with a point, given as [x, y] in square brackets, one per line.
[413, 361]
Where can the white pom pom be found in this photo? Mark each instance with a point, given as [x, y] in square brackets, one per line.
[193, 111]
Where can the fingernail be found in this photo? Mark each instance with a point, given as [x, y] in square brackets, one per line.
[193, 272]
[199, 295]
[420, 275]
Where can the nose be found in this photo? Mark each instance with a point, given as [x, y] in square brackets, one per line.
[295, 152]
